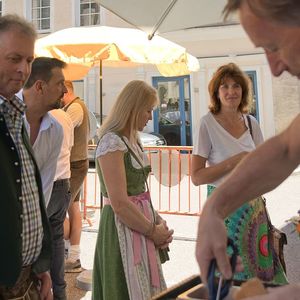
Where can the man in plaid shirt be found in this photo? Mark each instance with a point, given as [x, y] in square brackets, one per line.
[24, 232]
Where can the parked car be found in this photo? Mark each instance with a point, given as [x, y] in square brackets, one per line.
[170, 128]
[152, 139]
[147, 139]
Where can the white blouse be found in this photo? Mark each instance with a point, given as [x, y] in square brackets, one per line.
[216, 144]
[111, 142]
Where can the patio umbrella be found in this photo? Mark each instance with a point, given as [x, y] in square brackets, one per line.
[167, 15]
[85, 47]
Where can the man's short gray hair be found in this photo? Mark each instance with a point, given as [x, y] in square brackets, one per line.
[10, 21]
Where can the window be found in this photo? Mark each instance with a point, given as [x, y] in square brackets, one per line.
[172, 118]
[89, 12]
[0, 7]
[40, 14]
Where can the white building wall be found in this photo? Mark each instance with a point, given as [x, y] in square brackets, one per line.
[62, 14]
[14, 7]
[286, 91]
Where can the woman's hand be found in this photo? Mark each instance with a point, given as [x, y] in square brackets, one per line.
[161, 235]
[240, 156]
[160, 220]
[166, 244]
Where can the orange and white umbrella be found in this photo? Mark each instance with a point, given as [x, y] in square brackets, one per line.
[85, 47]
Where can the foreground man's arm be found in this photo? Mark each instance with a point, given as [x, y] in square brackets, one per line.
[261, 171]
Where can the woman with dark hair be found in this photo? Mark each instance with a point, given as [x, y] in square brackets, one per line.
[226, 135]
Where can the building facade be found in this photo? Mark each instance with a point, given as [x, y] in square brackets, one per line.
[183, 100]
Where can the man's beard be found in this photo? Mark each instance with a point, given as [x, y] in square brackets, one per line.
[57, 104]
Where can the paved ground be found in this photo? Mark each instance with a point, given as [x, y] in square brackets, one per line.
[282, 204]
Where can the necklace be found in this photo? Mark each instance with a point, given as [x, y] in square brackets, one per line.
[222, 119]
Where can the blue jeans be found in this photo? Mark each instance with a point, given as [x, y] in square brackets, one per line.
[56, 210]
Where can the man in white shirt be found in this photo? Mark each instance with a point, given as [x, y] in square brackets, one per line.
[59, 203]
[42, 92]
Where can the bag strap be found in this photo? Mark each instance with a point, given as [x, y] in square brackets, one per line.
[138, 160]
[250, 125]
[263, 198]
[271, 226]
[142, 167]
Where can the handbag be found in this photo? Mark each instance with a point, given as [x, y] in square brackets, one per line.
[276, 237]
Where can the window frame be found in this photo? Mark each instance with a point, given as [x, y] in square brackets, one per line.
[78, 13]
[29, 14]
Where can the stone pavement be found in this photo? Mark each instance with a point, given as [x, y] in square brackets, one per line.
[182, 262]
[282, 203]
[73, 292]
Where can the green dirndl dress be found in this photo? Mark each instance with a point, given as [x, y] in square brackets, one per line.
[109, 276]
[248, 229]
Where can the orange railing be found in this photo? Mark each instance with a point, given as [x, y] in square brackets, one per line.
[172, 191]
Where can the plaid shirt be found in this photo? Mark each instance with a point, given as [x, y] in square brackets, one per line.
[32, 234]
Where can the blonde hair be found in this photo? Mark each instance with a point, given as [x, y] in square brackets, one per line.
[224, 72]
[135, 97]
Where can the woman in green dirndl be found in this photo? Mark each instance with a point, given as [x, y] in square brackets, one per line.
[127, 263]
[226, 134]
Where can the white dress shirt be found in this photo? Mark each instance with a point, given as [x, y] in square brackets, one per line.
[46, 149]
[63, 164]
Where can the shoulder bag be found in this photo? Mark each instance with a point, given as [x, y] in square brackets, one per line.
[276, 237]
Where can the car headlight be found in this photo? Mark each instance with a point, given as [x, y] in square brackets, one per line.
[160, 142]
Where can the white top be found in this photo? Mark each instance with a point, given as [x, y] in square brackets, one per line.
[213, 142]
[63, 163]
[111, 142]
[75, 112]
[46, 150]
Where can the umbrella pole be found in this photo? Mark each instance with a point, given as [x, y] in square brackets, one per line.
[100, 84]
[162, 18]
[100, 78]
